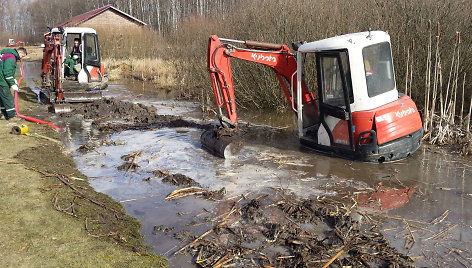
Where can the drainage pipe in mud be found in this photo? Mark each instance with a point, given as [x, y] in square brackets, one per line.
[17, 109]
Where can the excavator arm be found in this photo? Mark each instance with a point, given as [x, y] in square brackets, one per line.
[277, 57]
[52, 64]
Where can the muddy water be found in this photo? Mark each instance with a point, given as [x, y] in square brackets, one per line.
[272, 158]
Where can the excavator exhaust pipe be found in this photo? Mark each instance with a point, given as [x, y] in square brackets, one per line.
[224, 143]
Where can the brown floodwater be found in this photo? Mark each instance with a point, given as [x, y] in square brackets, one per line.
[271, 158]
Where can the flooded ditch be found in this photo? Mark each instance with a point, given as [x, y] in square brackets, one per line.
[283, 205]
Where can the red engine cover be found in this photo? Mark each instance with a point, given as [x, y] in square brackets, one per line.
[391, 121]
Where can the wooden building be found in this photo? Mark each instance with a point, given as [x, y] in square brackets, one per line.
[120, 34]
[108, 18]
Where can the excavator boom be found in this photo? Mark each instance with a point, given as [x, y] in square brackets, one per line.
[277, 57]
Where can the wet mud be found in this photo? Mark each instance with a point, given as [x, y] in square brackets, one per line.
[114, 115]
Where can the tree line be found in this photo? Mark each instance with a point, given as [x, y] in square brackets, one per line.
[30, 18]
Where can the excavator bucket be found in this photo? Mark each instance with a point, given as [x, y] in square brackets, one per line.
[74, 97]
[221, 143]
[74, 93]
[83, 96]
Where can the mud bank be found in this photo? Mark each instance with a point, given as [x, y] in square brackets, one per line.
[113, 115]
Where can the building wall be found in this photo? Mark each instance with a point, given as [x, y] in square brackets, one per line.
[111, 21]
[118, 35]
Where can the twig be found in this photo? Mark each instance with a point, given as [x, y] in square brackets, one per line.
[224, 260]
[411, 233]
[399, 218]
[139, 198]
[440, 218]
[194, 241]
[442, 232]
[109, 234]
[181, 193]
[334, 258]
[56, 206]
[421, 228]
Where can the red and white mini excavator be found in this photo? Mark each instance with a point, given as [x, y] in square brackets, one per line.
[342, 90]
[72, 76]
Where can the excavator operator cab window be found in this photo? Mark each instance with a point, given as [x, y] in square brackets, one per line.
[92, 55]
[70, 42]
[378, 68]
[331, 79]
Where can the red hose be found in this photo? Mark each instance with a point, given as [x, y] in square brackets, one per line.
[17, 109]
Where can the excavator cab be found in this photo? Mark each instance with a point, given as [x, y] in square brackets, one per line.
[341, 89]
[361, 113]
[73, 74]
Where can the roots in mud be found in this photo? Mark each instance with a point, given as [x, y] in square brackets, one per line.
[279, 230]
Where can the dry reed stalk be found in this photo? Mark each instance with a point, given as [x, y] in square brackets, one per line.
[412, 65]
[161, 72]
[467, 128]
[445, 108]
[428, 80]
[435, 79]
[407, 69]
[449, 81]
[461, 121]
[456, 78]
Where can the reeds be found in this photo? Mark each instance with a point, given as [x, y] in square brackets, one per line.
[442, 125]
[158, 71]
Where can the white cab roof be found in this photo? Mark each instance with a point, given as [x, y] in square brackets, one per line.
[354, 43]
[346, 41]
[75, 30]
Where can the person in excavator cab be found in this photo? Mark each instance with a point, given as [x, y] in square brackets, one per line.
[72, 63]
[8, 59]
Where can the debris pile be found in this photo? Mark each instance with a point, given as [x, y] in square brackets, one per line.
[279, 230]
[175, 179]
[130, 164]
[94, 144]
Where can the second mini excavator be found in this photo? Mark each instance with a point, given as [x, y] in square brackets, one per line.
[69, 74]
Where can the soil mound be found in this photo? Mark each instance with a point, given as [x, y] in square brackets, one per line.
[116, 115]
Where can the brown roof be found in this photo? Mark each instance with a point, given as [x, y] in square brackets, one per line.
[88, 15]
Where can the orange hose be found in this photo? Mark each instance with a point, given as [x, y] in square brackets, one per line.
[17, 109]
